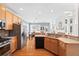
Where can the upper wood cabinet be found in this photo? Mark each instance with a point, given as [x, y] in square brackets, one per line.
[16, 20]
[9, 20]
[19, 20]
[2, 12]
[8, 17]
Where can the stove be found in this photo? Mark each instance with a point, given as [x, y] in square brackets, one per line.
[4, 47]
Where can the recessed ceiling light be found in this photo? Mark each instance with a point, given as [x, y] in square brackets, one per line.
[21, 9]
[51, 10]
[39, 12]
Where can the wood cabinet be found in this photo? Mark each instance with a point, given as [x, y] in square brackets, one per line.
[9, 21]
[8, 17]
[51, 44]
[13, 44]
[19, 20]
[68, 49]
[62, 48]
[46, 43]
[16, 20]
[54, 46]
[2, 12]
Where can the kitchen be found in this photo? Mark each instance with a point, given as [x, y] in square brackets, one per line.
[39, 29]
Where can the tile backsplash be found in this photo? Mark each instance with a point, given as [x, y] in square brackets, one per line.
[4, 33]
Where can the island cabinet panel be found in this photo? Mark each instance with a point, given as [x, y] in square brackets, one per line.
[68, 49]
[72, 50]
[62, 48]
[2, 12]
[51, 45]
[46, 43]
[9, 20]
[54, 46]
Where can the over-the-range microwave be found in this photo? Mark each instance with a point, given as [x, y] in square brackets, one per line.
[2, 24]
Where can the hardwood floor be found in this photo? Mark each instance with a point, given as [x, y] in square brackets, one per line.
[29, 50]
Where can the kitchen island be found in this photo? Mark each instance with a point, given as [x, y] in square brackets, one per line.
[60, 46]
[68, 47]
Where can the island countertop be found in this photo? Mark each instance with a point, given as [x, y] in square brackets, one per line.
[63, 39]
[67, 40]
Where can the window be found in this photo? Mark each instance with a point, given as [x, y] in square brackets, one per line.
[65, 21]
[41, 28]
[70, 29]
[71, 21]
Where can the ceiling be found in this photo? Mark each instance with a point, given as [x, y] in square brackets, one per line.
[32, 12]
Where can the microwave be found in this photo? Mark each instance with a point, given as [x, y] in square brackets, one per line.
[2, 24]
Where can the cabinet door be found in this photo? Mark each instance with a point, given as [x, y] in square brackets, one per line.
[54, 46]
[47, 43]
[2, 12]
[19, 20]
[15, 19]
[9, 21]
[62, 48]
[13, 44]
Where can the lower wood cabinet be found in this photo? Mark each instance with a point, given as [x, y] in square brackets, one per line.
[68, 49]
[46, 43]
[54, 46]
[51, 45]
[62, 48]
[13, 44]
[9, 21]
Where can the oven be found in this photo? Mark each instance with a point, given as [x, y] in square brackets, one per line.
[4, 48]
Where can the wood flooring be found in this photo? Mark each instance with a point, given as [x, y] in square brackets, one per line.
[29, 50]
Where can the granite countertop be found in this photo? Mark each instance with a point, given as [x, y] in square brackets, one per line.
[67, 40]
[63, 39]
